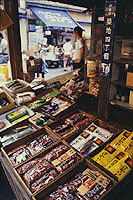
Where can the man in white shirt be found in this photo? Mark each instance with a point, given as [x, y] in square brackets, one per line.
[3, 45]
[78, 57]
[67, 48]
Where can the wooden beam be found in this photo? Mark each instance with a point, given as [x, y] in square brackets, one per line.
[14, 42]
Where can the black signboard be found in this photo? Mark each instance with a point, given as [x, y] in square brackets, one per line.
[108, 39]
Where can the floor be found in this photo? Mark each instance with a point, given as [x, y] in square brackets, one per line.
[52, 72]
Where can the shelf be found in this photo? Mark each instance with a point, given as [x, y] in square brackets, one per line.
[94, 57]
[124, 61]
[87, 92]
[121, 38]
[122, 84]
[122, 104]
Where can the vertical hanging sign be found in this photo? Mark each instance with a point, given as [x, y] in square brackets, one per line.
[108, 38]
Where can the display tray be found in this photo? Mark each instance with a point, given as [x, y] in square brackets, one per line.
[11, 132]
[11, 104]
[70, 106]
[92, 147]
[116, 157]
[46, 92]
[24, 143]
[9, 119]
[43, 194]
[24, 89]
[73, 128]
[41, 119]
[61, 158]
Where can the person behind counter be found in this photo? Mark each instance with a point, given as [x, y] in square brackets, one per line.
[78, 57]
[67, 48]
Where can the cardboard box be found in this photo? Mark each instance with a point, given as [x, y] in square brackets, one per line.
[131, 98]
[8, 107]
[129, 81]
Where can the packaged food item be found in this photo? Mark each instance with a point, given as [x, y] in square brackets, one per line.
[40, 171]
[90, 139]
[86, 185]
[106, 155]
[3, 102]
[17, 133]
[36, 172]
[40, 143]
[37, 103]
[17, 115]
[19, 155]
[41, 119]
[122, 168]
[44, 180]
[121, 139]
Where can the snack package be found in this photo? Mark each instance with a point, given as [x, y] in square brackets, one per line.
[106, 155]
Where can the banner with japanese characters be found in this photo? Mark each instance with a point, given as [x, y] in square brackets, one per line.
[108, 38]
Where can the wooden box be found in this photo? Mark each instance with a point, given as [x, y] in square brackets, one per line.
[59, 122]
[42, 195]
[18, 126]
[24, 141]
[40, 155]
[101, 124]
[71, 106]
[24, 89]
[8, 107]
[7, 123]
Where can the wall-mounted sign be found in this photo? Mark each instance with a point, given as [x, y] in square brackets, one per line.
[108, 39]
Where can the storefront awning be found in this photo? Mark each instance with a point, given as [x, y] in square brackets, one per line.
[54, 18]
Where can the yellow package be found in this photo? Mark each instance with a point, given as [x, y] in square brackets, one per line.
[122, 168]
[121, 139]
[115, 160]
[106, 156]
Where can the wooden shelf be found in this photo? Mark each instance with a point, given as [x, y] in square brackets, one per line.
[121, 38]
[122, 104]
[121, 84]
[124, 61]
[94, 57]
[87, 92]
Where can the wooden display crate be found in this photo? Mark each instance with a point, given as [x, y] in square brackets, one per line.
[101, 124]
[11, 104]
[8, 124]
[39, 155]
[43, 194]
[59, 122]
[41, 95]
[24, 89]
[24, 141]
[71, 107]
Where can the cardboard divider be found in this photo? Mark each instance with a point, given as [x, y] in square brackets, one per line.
[11, 104]
[59, 122]
[42, 195]
[24, 141]
[39, 155]
[101, 124]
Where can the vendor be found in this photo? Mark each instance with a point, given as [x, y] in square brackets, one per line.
[78, 57]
